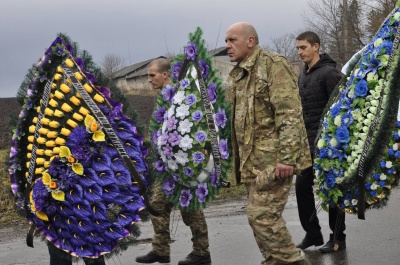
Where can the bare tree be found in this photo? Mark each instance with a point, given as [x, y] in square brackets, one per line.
[377, 11]
[111, 63]
[284, 45]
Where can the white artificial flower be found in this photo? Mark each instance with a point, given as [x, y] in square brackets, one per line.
[373, 110]
[389, 164]
[395, 147]
[396, 16]
[370, 116]
[378, 42]
[339, 180]
[346, 202]
[181, 157]
[320, 143]
[374, 186]
[367, 104]
[182, 111]
[179, 97]
[354, 201]
[371, 76]
[365, 129]
[355, 72]
[171, 111]
[172, 165]
[338, 120]
[374, 103]
[382, 177]
[186, 143]
[351, 93]
[362, 136]
[184, 126]
[364, 112]
[367, 122]
[333, 142]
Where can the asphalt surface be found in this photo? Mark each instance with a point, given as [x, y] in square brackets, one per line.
[374, 241]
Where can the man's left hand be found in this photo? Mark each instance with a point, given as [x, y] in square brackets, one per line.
[283, 171]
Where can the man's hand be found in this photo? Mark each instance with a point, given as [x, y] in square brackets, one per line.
[283, 171]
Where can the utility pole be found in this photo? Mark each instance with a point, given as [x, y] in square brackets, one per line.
[345, 30]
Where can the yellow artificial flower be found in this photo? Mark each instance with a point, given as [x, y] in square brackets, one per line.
[28, 155]
[64, 151]
[65, 107]
[65, 131]
[53, 85]
[32, 128]
[72, 123]
[94, 127]
[83, 111]
[41, 140]
[53, 185]
[53, 103]
[31, 196]
[98, 98]
[56, 150]
[40, 152]
[69, 63]
[54, 124]
[89, 120]
[40, 161]
[49, 112]
[30, 147]
[88, 88]
[34, 120]
[71, 159]
[38, 109]
[48, 152]
[43, 216]
[77, 117]
[78, 95]
[75, 101]
[58, 195]
[45, 121]
[46, 178]
[47, 164]
[60, 141]
[43, 130]
[78, 76]
[64, 88]
[57, 77]
[52, 134]
[59, 69]
[39, 170]
[31, 138]
[77, 168]
[99, 136]
[59, 95]
[33, 207]
[50, 144]
[58, 113]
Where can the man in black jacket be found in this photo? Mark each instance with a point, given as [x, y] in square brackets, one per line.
[316, 82]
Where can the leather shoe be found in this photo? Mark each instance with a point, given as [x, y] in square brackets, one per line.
[193, 259]
[306, 243]
[152, 257]
[333, 246]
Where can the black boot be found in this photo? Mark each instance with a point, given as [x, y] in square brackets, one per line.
[152, 257]
[193, 259]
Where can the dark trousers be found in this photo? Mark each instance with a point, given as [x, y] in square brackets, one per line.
[307, 212]
[57, 257]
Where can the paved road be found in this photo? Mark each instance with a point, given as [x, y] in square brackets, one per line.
[374, 241]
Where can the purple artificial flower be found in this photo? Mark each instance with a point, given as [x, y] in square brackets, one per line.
[185, 198]
[184, 83]
[155, 135]
[198, 157]
[58, 50]
[176, 178]
[202, 192]
[164, 139]
[77, 136]
[169, 186]
[213, 178]
[159, 114]
[159, 166]
[168, 151]
[29, 104]
[171, 124]
[188, 171]
[174, 138]
[168, 93]
[200, 136]
[204, 68]
[220, 118]
[191, 99]
[212, 92]
[175, 69]
[42, 75]
[197, 115]
[191, 51]
[223, 148]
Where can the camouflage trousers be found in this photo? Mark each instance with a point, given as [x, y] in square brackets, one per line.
[161, 225]
[266, 201]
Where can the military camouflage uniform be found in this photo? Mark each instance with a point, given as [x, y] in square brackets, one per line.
[267, 129]
[194, 219]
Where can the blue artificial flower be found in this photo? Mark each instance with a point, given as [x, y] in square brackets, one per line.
[198, 157]
[391, 171]
[382, 183]
[368, 186]
[373, 193]
[184, 83]
[197, 115]
[398, 124]
[335, 110]
[397, 154]
[383, 164]
[200, 136]
[347, 119]
[391, 152]
[376, 177]
[330, 181]
[372, 66]
[396, 136]
[342, 135]
[361, 89]
[191, 99]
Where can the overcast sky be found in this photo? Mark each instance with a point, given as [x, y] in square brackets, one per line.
[136, 30]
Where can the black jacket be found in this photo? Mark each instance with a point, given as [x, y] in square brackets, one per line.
[315, 87]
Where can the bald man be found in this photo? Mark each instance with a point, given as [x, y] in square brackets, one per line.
[158, 77]
[268, 137]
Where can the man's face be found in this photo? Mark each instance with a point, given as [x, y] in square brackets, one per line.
[306, 51]
[237, 44]
[156, 78]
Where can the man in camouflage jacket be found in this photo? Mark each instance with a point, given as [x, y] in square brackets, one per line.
[269, 139]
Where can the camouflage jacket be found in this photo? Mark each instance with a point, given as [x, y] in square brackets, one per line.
[266, 114]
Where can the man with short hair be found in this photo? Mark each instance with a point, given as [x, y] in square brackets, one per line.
[158, 77]
[269, 139]
[316, 82]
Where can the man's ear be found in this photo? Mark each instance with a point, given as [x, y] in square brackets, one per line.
[165, 75]
[251, 42]
[316, 46]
